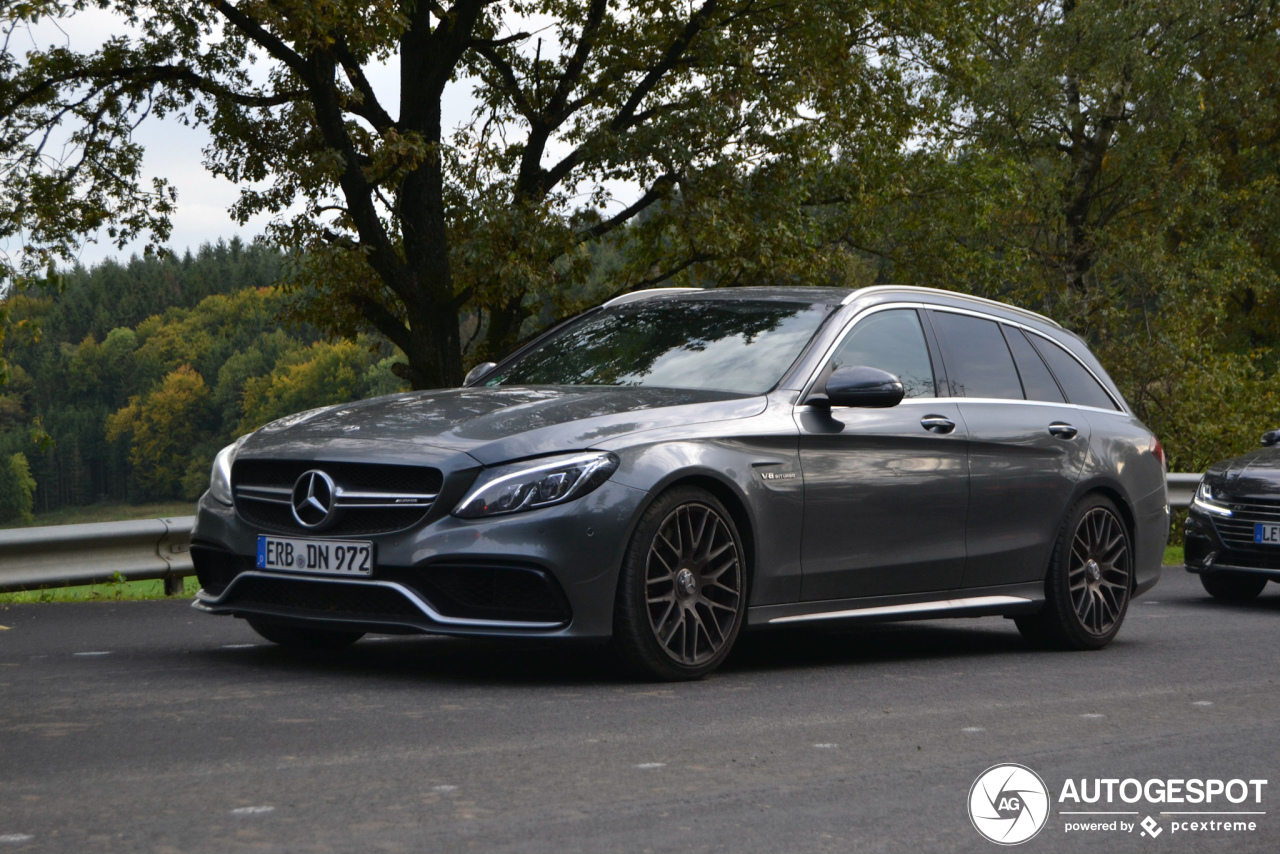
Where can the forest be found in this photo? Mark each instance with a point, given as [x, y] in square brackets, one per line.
[126, 379]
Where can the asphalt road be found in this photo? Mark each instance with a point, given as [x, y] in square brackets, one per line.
[139, 727]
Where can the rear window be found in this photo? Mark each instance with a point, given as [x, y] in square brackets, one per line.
[1036, 379]
[1078, 383]
[978, 360]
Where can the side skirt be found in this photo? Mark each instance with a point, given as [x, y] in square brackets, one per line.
[1005, 600]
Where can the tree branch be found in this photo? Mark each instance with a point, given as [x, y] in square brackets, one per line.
[369, 107]
[656, 192]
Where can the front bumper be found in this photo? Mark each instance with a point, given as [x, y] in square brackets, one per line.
[1205, 550]
[548, 573]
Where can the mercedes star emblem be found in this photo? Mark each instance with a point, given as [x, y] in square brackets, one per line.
[312, 500]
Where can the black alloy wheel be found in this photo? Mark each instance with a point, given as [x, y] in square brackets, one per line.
[682, 594]
[1089, 583]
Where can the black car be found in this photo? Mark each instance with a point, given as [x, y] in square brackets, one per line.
[1233, 524]
[677, 465]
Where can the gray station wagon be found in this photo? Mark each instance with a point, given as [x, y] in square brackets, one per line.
[678, 465]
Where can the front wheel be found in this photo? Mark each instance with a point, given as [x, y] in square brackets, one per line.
[299, 639]
[1089, 582]
[1233, 586]
[682, 593]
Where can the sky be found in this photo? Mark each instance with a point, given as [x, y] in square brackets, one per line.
[174, 151]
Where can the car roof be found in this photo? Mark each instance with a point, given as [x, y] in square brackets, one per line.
[818, 295]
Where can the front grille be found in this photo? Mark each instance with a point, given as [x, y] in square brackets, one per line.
[489, 592]
[303, 597]
[372, 498]
[1237, 530]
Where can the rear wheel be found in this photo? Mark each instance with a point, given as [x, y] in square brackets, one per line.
[302, 639]
[682, 592]
[1233, 586]
[1089, 581]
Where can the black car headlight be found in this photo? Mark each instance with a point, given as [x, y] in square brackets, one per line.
[1206, 501]
[535, 483]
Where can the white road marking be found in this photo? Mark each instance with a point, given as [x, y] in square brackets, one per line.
[251, 810]
[444, 788]
[16, 837]
[105, 652]
[826, 746]
[1092, 715]
[239, 645]
[1203, 703]
[974, 729]
[652, 765]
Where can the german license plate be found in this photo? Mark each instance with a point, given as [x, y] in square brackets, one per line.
[1267, 535]
[337, 557]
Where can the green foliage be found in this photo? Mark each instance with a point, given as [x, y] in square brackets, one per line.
[17, 489]
[135, 405]
[322, 374]
[722, 115]
[1115, 166]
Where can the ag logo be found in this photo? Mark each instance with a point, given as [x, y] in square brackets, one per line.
[1008, 804]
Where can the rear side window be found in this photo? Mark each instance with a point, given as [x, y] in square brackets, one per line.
[1079, 384]
[891, 341]
[978, 361]
[1036, 379]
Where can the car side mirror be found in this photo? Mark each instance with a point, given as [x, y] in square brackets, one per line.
[864, 387]
[1271, 437]
[478, 371]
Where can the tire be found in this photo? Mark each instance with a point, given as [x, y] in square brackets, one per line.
[682, 592]
[1233, 586]
[1089, 582]
[299, 639]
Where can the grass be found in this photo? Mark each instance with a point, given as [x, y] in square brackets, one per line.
[1173, 556]
[116, 591]
[108, 513]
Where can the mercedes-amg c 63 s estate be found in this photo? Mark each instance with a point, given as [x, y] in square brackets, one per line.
[678, 465]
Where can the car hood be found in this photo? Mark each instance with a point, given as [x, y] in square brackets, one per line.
[1256, 473]
[494, 425]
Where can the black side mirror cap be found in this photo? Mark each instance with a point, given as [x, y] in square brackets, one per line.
[863, 387]
[1271, 437]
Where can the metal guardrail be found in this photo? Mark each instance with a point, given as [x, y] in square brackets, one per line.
[1182, 488]
[58, 555]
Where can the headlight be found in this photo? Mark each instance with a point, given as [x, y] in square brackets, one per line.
[220, 477]
[535, 483]
[1205, 501]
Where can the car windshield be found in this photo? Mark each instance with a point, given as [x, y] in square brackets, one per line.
[739, 346]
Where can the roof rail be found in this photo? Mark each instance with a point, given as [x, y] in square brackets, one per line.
[645, 294]
[915, 289]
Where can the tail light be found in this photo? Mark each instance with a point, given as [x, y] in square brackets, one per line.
[1157, 450]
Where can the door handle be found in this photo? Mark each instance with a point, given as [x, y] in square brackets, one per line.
[937, 424]
[1062, 430]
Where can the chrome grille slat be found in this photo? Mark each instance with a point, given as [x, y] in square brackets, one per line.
[369, 498]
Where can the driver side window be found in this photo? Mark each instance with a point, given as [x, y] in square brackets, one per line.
[891, 341]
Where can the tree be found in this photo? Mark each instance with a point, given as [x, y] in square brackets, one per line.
[164, 426]
[17, 489]
[726, 115]
[1113, 164]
